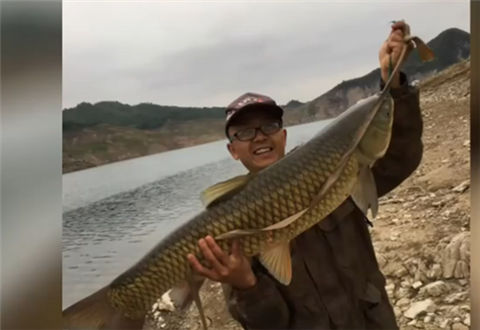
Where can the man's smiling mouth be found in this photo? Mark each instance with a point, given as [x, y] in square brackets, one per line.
[262, 150]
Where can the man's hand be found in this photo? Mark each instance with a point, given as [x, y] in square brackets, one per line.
[233, 269]
[391, 49]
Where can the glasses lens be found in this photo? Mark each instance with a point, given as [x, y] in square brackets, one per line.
[246, 134]
[270, 128]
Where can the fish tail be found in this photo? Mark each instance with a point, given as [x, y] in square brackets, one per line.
[96, 312]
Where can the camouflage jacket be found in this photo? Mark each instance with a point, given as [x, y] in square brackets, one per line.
[337, 283]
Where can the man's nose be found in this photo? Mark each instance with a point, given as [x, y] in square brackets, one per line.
[259, 135]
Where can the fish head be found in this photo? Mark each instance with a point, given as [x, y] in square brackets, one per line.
[376, 139]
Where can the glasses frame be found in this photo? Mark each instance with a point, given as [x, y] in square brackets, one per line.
[259, 128]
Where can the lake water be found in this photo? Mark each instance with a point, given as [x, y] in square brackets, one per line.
[114, 214]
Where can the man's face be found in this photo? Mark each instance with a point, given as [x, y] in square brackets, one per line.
[263, 150]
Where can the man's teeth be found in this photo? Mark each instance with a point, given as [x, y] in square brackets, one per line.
[262, 150]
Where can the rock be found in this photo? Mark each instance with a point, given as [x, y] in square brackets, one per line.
[411, 265]
[165, 303]
[434, 289]
[417, 285]
[456, 297]
[463, 282]
[427, 319]
[452, 254]
[382, 261]
[466, 320]
[420, 325]
[401, 272]
[435, 272]
[390, 288]
[412, 323]
[422, 270]
[395, 269]
[462, 187]
[397, 312]
[464, 250]
[459, 326]
[420, 307]
[402, 302]
[420, 276]
[403, 293]
[462, 270]
[405, 284]
[465, 307]
[455, 311]
[445, 323]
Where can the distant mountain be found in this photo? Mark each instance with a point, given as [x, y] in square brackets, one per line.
[450, 46]
[292, 104]
[141, 116]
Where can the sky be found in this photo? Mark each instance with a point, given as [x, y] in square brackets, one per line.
[207, 53]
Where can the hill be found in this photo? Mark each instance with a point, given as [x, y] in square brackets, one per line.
[450, 47]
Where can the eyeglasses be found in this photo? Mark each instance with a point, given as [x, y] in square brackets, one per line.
[248, 134]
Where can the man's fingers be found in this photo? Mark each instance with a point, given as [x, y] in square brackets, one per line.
[198, 267]
[217, 251]
[208, 254]
[236, 250]
[396, 45]
[399, 25]
[396, 36]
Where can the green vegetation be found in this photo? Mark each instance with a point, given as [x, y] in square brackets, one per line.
[142, 116]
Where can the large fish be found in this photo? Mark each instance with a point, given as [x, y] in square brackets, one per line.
[264, 212]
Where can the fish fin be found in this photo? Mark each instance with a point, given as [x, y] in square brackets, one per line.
[238, 233]
[92, 312]
[364, 193]
[277, 260]
[246, 232]
[224, 190]
[183, 294]
[330, 181]
[198, 301]
[180, 295]
[284, 223]
[426, 54]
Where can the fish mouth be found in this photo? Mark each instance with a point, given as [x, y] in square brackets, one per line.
[262, 150]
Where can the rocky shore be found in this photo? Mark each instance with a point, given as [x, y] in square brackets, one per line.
[422, 232]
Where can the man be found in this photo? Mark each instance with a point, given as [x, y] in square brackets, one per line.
[336, 281]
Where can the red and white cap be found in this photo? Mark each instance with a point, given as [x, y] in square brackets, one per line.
[248, 100]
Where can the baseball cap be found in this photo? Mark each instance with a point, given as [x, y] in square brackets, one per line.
[248, 101]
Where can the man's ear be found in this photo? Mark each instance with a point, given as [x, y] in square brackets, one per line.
[231, 149]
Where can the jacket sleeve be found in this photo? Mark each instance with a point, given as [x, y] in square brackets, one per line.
[405, 150]
[259, 307]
